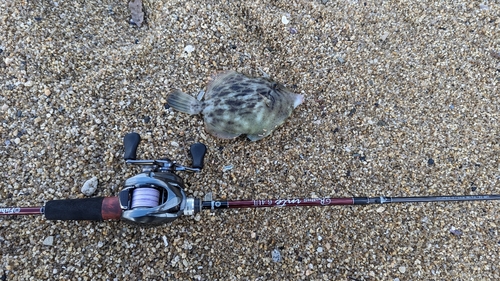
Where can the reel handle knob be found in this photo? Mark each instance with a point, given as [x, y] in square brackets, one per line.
[198, 151]
[130, 142]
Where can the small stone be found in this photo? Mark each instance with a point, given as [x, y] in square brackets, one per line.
[48, 241]
[455, 231]
[276, 255]
[189, 49]
[227, 168]
[136, 12]
[5, 107]
[46, 91]
[17, 140]
[430, 162]
[165, 240]
[381, 123]
[380, 209]
[319, 249]
[384, 36]
[402, 269]
[90, 186]
[284, 20]
[174, 144]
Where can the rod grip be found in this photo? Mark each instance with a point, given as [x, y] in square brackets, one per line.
[94, 209]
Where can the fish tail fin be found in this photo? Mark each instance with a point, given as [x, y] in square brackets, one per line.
[184, 102]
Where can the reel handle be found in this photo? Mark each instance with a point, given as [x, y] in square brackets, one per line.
[198, 151]
[131, 142]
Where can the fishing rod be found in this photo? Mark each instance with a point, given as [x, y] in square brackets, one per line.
[156, 196]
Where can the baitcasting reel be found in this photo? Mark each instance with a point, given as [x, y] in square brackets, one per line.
[156, 195]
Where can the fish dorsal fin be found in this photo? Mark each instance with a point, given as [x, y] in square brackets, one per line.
[217, 80]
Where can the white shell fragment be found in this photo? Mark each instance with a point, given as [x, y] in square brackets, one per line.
[90, 186]
[284, 20]
[189, 49]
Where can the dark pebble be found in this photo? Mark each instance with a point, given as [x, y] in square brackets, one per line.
[473, 187]
[336, 130]
[351, 113]
[381, 123]
[430, 162]
[147, 119]
[167, 106]
[38, 18]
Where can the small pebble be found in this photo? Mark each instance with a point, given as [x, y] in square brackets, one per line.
[227, 168]
[189, 49]
[430, 162]
[48, 241]
[276, 255]
[320, 250]
[402, 269]
[90, 186]
[165, 242]
[174, 144]
[284, 20]
[455, 231]
[380, 209]
[384, 36]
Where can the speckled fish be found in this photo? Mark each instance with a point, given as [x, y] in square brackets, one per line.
[236, 104]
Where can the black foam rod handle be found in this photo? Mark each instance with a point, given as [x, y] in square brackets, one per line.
[94, 209]
[198, 151]
[130, 142]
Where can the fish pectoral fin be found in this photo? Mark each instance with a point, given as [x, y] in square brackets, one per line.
[266, 100]
[257, 137]
[218, 132]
